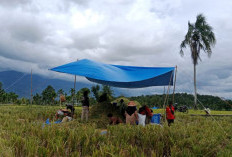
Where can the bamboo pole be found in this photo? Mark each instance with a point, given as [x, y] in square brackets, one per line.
[74, 87]
[174, 87]
[31, 86]
[60, 101]
[166, 98]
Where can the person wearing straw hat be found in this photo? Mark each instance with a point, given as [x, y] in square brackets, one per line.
[131, 113]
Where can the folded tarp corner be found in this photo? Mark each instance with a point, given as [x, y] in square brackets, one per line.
[119, 76]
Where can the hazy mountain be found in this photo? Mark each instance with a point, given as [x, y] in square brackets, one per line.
[20, 83]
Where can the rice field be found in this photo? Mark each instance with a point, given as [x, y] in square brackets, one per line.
[22, 133]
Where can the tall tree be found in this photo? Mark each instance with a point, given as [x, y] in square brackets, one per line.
[49, 95]
[96, 91]
[12, 97]
[199, 37]
[106, 89]
[1, 93]
[0, 85]
[60, 92]
[37, 99]
[80, 93]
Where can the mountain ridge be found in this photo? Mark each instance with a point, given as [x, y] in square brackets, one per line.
[20, 83]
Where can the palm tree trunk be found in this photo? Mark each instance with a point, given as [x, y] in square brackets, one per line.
[195, 88]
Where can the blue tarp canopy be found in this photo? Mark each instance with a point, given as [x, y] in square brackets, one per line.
[119, 76]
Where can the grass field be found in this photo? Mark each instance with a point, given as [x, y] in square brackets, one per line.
[22, 134]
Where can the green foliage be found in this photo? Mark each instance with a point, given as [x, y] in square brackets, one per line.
[214, 103]
[48, 95]
[60, 91]
[0, 85]
[200, 36]
[96, 91]
[107, 89]
[37, 99]
[79, 94]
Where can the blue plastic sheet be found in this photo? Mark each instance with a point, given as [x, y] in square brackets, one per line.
[156, 118]
[119, 76]
[154, 107]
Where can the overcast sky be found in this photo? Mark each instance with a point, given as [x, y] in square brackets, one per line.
[40, 34]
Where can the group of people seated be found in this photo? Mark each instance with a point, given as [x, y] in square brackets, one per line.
[66, 114]
[133, 117]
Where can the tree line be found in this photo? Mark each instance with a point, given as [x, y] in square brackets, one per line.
[50, 96]
[208, 101]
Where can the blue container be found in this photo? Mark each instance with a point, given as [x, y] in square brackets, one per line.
[156, 118]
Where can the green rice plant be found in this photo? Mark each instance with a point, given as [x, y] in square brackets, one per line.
[22, 134]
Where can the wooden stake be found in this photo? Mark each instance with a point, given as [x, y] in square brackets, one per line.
[166, 98]
[74, 87]
[173, 94]
[31, 86]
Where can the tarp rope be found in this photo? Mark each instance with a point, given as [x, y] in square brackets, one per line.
[191, 91]
[16, 81]
[204, 107]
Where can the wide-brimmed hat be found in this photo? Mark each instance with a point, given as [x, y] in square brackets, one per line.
[131, 103]
[65, 110]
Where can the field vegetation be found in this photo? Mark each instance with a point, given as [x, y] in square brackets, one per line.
[23, 133]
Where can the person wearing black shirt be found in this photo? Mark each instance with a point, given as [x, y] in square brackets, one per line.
[85, 106]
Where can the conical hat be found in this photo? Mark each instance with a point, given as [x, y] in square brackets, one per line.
[131, 103]
[65, 110]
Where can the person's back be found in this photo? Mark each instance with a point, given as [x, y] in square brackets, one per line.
[170, 113]
[85, 101]
[85, 106]
[144, 110]
[131, 113]
[114, 120]
[71, 107]
[141, 119]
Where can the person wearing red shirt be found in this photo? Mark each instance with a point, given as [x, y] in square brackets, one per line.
[146, 111]
[170, 113]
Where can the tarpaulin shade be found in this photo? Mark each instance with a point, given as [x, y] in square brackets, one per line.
[119, 76]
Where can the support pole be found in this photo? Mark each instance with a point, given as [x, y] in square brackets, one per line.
[74, 87]
[174, 86]
[31, 86]
[60, 100]
[164, 94]
[166, 98]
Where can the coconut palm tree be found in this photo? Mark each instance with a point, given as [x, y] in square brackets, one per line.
[199, 37]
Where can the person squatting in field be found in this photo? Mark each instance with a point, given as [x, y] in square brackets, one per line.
[114, 120]
[63, 114]
[170, 113]
[71, 107]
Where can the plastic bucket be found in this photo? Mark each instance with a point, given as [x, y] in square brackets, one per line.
[156, 118]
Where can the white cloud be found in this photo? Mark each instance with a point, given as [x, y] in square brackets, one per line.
[43, 34]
